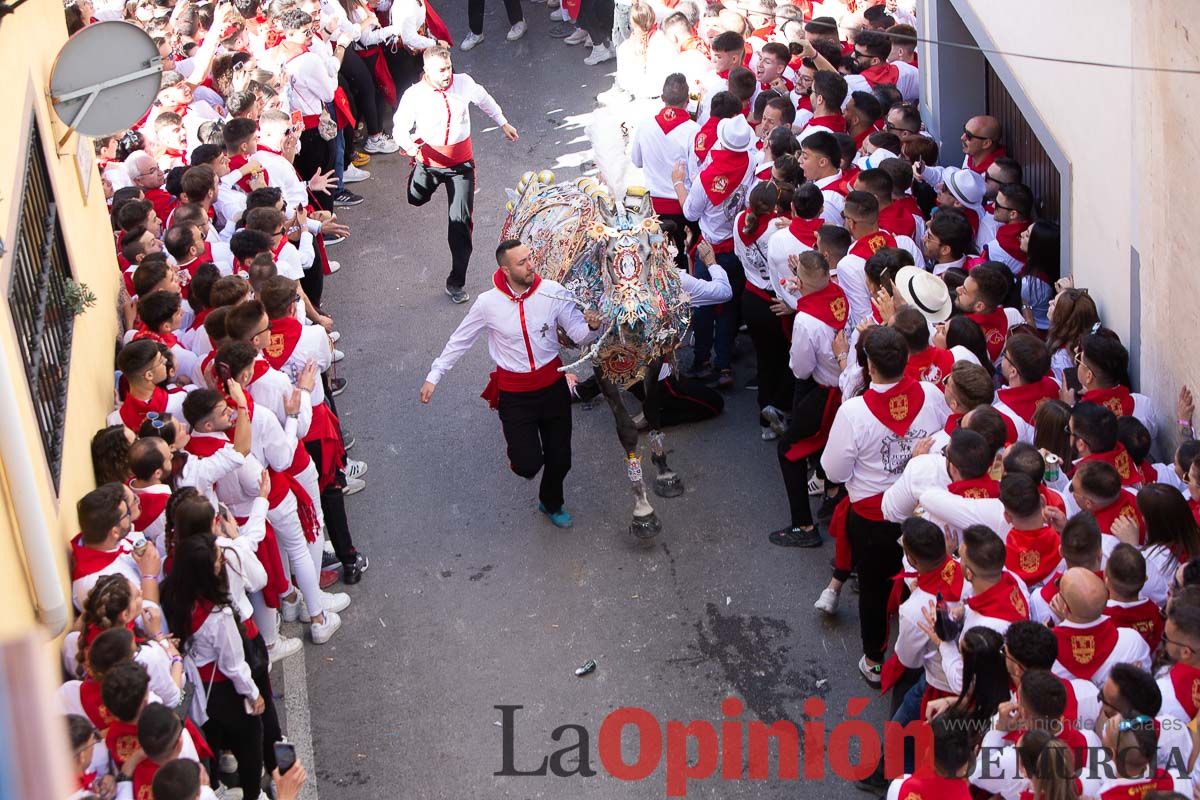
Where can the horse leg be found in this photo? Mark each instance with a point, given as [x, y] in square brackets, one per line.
[645, 523]
[668, 483]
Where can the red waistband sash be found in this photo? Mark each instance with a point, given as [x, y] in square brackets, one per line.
[503, 380]
[666, 206]
[816, 443]
[327, 430]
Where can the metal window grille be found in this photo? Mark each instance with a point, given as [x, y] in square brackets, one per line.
[37, 299]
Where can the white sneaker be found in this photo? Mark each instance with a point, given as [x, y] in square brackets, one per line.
[554, 3]
[380, 144]
[228, 793]
[578, 36]
[352, 174]
[334, 266]
[599, 55]
[471, 40]
[227, 764]
[338, 355]
[559, 15]
[769, 435]
[816, 486]
[354, 486]
[293, 611]
[828, 601]
[335, 601]
[517, 31]
[284, 646]
[322, 632]
[355, 469]
[335, 335]
[872, 674]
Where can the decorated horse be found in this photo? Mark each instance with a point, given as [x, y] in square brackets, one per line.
[615, 259]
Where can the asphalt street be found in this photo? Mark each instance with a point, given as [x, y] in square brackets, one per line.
[473, 600]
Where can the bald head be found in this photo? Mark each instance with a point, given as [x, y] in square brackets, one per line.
[1085, 593]
[987, 126]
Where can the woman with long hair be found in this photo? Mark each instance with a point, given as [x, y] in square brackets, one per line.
[984, 677]
[230, 658]
[1172, 536]
[1049, 765]
[110, 454]
[964, 338]
[1072, 315]
[1041, 244]
[1050, 433]
[643, 59]
[115, 602]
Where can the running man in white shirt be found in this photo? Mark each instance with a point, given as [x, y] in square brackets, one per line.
[521, 316]
[433, 126]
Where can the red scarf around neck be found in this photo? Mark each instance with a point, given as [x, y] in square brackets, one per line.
[897, 407]
[671, 118]
[1032, 555]
[1008, 236]
[1124, 506]
[133, 411]
[898, 220]
[1025, 400]
[1146, 618]
[724, 174]
[1121, 461]
[1117, 400]
[834, 122]
[995, 330]
[881, 73]
[931, 364]
[829, 305]
[1082, 651]
[501, 282]
[1003, 601]
[1186, 681]
[928, 785]
[706, 137]
[805, 230]
[872, 243]
[755, 233]
[285, 335]
[981, 488]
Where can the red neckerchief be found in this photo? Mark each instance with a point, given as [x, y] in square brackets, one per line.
[1146, 618]
[1123, 506]
[872, 243]
[829, 305]
[133, 411]
[1162, 782]
[804, 104]
[952, 424]
[760, 227]
[927, 785]
[946, 580]
[1008, 236]
[198, 319]
[671, 118]
[1004, 601]
[1026, 399]
[1053, 500]
[881, 73]
[176, 153]
[285, 335]
[1186, 682]
[897, 220]
[972, 217]
[995, 329]
[1082, 651]
[723, 75]
[1120, 460]
[988, 160]
[143, 777]
[834, 122]
[897, 407]
[909, 204]
[805, 230]
[765, 32]
[121, 740]
[169, 339]
[1032, 555]
[706, 137]
[153, 505]
[931, 364]
[88, 560]
[501, 283]
[205, 446]
[1117, 400]
[1148, 472]
[981, 488]
[93, 704]
[861, 137]
[724, 174]
[236, 162]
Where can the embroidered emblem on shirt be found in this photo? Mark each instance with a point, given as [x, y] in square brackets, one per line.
[275, 347]
[1018, 602]
[1121, 462]
[837, 307]
[898, 407]
[1083, 648]
[876, 242]
[719, 184]
[1030, 559]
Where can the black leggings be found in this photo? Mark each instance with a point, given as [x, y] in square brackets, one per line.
[475, 14]
[333, 507]
[807, 410]
[250, 738]
[359, 83]
[537, 428]
[315, 155]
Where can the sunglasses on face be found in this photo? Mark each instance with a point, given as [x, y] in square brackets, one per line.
[970, 135]
[887, 126]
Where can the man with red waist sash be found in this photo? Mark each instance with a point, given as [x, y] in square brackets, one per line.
[432, 125]
[522, 315]
[868, 447]
[658, 144]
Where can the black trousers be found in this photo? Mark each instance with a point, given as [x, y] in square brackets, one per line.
[596, 17]
[877, 555]
[333, 508]
[679, 236]
[475, 14]
[807, 408]
[250, 738]
[683, 400]
[771, 349]
[537, 428]
[313, 279]
[315, 155]
[459, 181]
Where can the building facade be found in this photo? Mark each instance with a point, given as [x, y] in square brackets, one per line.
[1121, 141]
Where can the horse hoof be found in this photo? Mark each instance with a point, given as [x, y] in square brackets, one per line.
[645, 527]
[668, 485]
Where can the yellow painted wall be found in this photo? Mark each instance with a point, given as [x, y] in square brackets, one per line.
[1129, 139]
[29, 41]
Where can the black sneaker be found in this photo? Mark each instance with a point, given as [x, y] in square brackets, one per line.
[874, 784]
[829, 504]
[457, 294]
[796, 537]
[346, 198]
[336, 387]
[352, 572]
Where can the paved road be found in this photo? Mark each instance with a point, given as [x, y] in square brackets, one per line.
[473, 600]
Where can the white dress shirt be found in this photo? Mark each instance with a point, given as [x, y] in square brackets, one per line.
[442, 119]
[656, 153]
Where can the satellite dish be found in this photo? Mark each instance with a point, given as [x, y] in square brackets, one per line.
[105, 78]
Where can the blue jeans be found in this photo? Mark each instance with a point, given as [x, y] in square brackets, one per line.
[339, 154]
[908, 711]
[717, 326]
